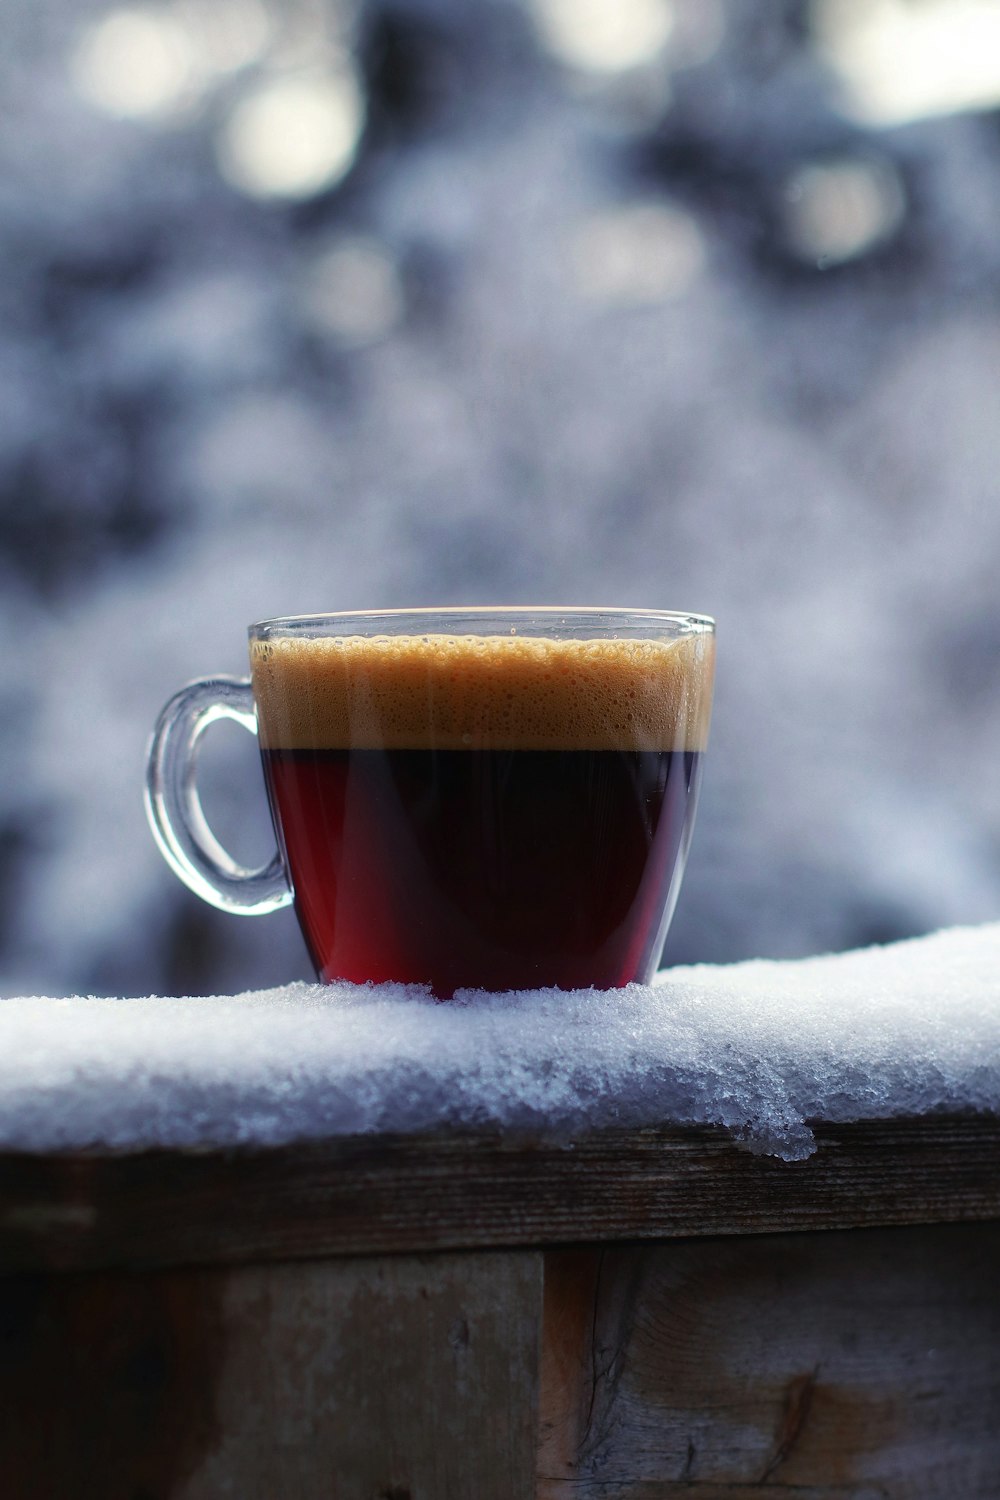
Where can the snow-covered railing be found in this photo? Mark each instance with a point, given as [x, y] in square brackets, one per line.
[510, 1245]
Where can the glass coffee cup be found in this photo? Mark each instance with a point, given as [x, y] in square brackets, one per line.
[495, 799]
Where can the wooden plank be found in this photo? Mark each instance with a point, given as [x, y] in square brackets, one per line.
[400, 1379]
[864, 1364]
[366, 1195]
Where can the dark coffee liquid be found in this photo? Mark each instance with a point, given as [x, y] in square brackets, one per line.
[496, 869]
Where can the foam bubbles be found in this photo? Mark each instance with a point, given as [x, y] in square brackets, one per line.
[760, 1048]
[495, 691]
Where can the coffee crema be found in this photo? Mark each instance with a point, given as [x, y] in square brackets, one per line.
[457, 692]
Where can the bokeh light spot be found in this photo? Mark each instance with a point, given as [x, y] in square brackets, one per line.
[293, 137]
[604, 36]
[353, 291]
[837, 211]
[638, 255]
[230, 33]
[899, 61]
[135, 63]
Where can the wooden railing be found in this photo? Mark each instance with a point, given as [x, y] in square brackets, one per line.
[630, 1316]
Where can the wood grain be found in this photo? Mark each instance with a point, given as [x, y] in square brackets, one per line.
[366, 1195]
[863, 1364]
[398, 1379]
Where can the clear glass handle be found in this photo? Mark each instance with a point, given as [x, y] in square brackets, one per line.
[174, 809]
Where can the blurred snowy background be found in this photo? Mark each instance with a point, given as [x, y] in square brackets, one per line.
[692, 304]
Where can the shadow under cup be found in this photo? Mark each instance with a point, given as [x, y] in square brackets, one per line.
[491, 800]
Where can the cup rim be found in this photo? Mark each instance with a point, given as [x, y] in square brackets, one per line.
[682, 622]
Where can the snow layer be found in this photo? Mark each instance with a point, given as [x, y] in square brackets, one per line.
[761, 1048]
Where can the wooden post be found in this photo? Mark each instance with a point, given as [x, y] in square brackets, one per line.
[399, 1378]
[862, 1364]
